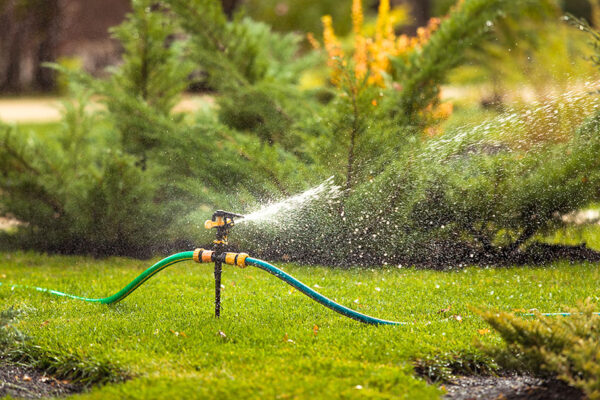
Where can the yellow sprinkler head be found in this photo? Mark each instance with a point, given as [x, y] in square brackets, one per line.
[209, 224]
[221, 219]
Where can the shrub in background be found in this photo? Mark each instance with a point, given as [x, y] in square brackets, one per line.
[128, 179]
[567, 347]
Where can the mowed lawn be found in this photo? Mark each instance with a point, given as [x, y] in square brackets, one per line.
[271, 341]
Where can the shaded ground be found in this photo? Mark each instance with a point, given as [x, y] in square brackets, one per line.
[510, 388]
[22, 382]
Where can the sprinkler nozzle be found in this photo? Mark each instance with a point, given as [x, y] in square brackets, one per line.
[221, 219]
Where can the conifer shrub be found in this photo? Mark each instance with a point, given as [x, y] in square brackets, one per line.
[566, 347]
[136, 176]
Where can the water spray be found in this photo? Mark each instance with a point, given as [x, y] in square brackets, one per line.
[223, 221]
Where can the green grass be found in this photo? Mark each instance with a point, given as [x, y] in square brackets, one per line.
[588, 234]
[165, 338]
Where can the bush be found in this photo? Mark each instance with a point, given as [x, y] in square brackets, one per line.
[565, 346]
[126, 180]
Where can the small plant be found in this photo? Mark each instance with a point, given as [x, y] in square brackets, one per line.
[565, 346]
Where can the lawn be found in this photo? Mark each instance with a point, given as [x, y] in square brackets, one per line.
[271, 341]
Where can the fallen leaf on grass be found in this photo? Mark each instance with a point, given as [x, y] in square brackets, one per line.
[287, 339]
[483, 331]
[43, 324]
[445, 310]
[26, 378]
[316, 330]
[182, 334]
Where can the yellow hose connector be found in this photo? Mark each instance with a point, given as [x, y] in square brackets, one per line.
[203, 256]
[238, 259]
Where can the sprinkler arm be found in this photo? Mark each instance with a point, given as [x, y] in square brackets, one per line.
[222, 220]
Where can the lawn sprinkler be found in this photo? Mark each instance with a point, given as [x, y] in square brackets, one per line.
[223, 221]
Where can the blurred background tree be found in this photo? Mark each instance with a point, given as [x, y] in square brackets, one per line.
[33, 32]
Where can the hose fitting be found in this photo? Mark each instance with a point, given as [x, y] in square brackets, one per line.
[203, 256]
[238, 259]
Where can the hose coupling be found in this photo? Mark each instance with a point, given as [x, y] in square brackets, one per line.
[203, 256]
[238, 259]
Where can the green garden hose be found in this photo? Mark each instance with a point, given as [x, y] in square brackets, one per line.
[127, 290]
[319, 298]
[189, 255]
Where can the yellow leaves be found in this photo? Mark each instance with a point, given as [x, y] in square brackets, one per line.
[361, 57]
[357, 16]
[333, 49]
[313, 41]
[315, 330]
[483, 332]
[383, 26]
[371, 56]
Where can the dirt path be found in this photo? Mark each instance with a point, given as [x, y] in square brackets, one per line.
[30, 110]
[47, 109]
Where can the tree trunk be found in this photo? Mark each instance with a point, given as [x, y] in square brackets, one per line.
[229, 7]
[49, 29]
[12, 33]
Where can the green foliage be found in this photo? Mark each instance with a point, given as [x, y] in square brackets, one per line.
[74, 194]
[254, 70]
[565, 346]
[421, 72]
[127, 179]
[534, 56]
[141, 93]
[136, 176]
[442, 368]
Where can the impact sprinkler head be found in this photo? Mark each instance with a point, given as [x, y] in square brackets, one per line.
[221, 219]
